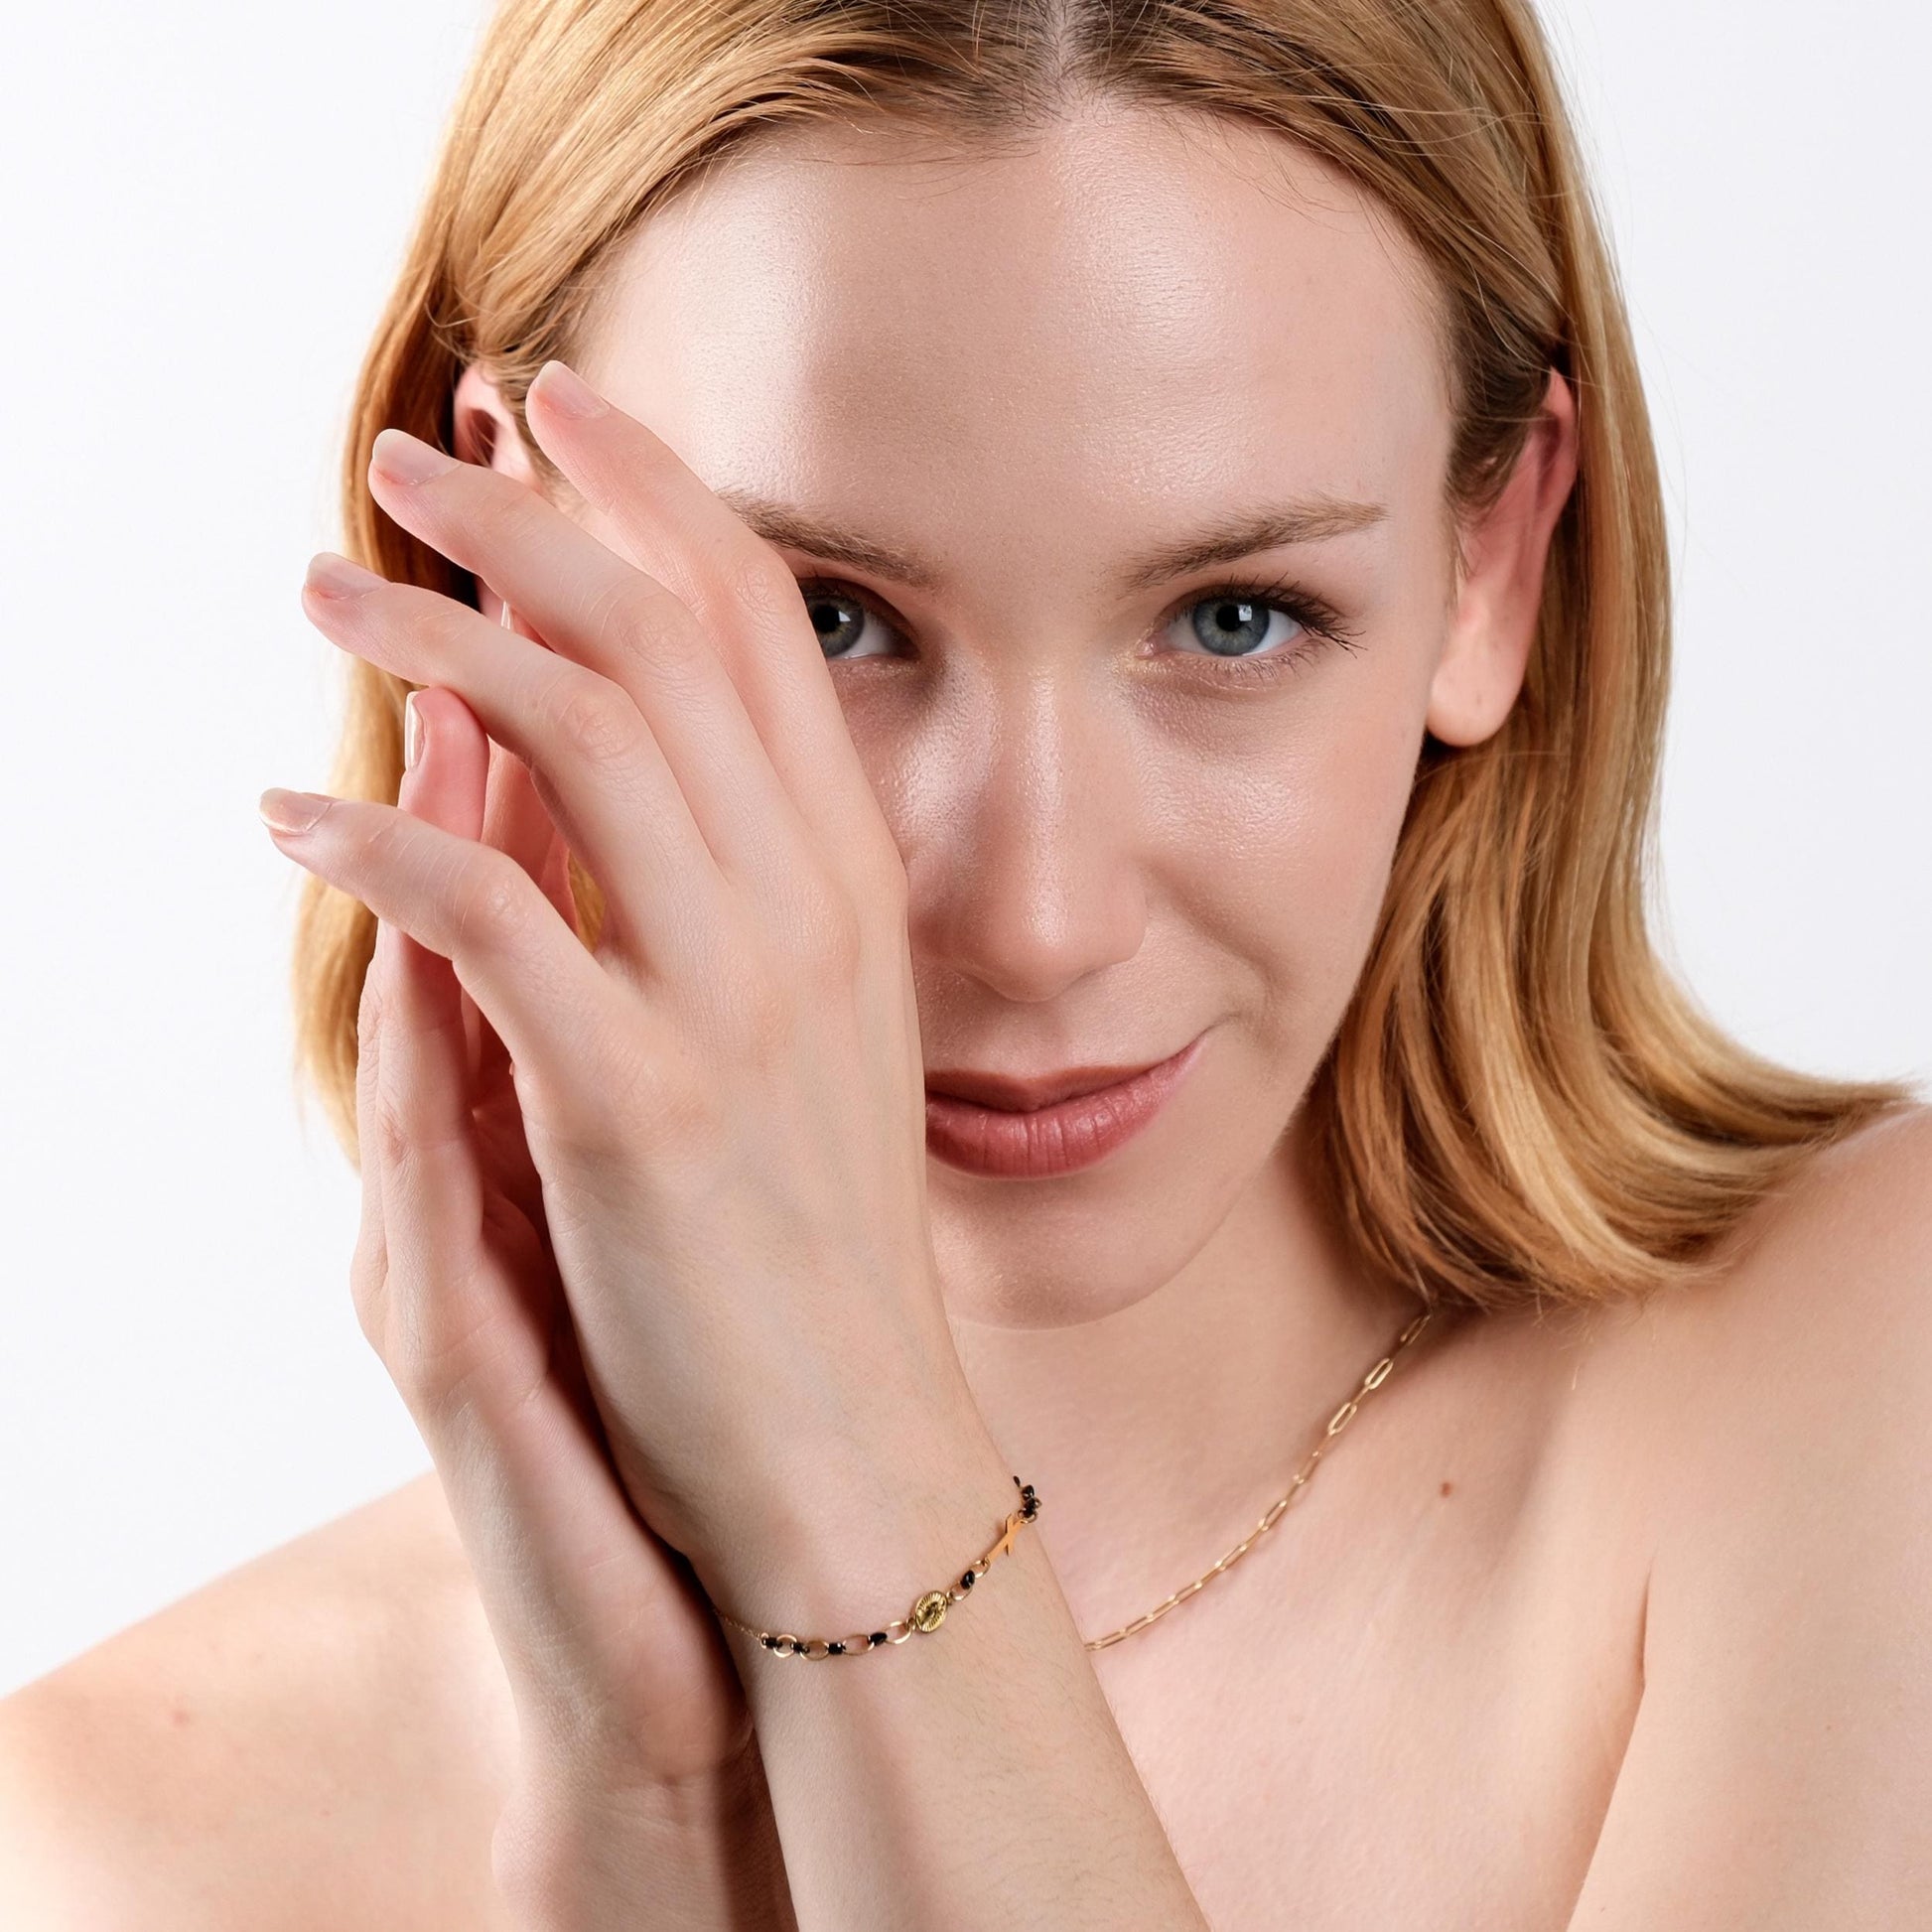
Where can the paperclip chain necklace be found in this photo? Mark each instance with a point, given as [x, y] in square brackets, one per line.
[930, 1610]
[1336, 1424]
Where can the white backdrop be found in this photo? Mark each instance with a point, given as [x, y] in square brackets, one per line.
[203, 210]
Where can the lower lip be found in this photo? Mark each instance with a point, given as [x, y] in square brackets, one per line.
[1061, 1139]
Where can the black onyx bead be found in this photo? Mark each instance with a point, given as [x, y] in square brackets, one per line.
[835, 1649]
[770, 1643]
[967, 1579]
[877, 1637]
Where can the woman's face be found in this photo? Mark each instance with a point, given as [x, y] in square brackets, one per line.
[1137, 807]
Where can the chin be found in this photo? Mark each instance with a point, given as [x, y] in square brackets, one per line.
[1058, 1255]
[996, 1291]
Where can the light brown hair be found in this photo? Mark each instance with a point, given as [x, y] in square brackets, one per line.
[1521, 1102]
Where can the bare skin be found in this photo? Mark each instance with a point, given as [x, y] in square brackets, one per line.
[1413, 1703]
[1409, 1704]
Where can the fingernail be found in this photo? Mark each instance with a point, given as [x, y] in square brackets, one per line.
[407, 459]
[291, 811]
[412, 733]
[565, 391]
[334, 575]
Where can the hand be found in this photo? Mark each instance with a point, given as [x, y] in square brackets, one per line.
[724, 1100]
[639, 1795]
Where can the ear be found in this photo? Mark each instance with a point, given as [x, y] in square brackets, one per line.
[1500, 591]
[485, 432]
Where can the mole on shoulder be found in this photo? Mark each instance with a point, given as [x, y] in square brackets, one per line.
[1447, 1487]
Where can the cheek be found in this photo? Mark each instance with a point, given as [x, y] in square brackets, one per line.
[1352, 789]
[1249, 837]
[1275, 831]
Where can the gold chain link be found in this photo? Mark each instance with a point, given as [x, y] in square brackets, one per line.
[930, 1610]
[925, 1615]
[1336, 1424]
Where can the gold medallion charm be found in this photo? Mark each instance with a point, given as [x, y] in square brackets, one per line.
[930, 1612]
[926, 1614]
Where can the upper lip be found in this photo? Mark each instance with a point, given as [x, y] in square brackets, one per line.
[1023, 1095]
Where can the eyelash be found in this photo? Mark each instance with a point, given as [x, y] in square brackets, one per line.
[1318, 619]
[1321, 623]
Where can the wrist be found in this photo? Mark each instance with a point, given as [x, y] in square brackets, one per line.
[698, 1853]
[855, 1549]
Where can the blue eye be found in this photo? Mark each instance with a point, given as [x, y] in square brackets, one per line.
[1248, 630]
[840, 621]
[1236, 624]
[1239, 624]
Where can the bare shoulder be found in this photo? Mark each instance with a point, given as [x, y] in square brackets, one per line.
[1825, 1285]
[1814, 1313]
[1863, 1205]
[1779, 1412]
[316, 1739]
[1811, 1351]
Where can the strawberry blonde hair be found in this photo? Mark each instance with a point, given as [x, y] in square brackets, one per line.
[1520, 1103]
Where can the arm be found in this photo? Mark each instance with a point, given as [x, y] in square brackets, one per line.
[1779, 1774]
[751, 1305]
[970, 1778]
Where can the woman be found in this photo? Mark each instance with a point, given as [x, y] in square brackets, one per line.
[1030, 760]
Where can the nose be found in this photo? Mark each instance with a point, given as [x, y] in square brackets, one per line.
[1032, 881]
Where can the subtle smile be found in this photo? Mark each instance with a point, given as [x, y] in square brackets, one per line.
[995, 1125]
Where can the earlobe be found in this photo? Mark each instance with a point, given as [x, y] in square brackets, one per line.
[485, 431]
[1493, 625]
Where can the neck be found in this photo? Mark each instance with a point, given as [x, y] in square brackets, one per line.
[1158, 1435]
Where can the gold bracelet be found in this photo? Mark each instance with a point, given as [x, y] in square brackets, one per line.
[925, 1616]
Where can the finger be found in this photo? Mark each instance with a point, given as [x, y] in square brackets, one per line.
[742, 592]
[476, 1329]
[452, 1323]
[602, 770]
[592, 606]
[432, 1184]
[368, 1270]
[532, 978]
[516, 820]
[517, 824]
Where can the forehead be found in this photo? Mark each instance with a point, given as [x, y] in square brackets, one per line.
[1112, 323]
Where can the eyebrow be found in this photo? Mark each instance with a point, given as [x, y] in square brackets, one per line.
[1277, 526]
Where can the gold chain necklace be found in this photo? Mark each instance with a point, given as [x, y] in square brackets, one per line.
[1336, 1424]
[930, 1612]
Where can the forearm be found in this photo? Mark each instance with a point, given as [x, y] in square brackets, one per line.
[970, 1779]
[700, 1857]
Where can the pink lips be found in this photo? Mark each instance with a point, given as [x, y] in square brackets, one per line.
[1059, 1138]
